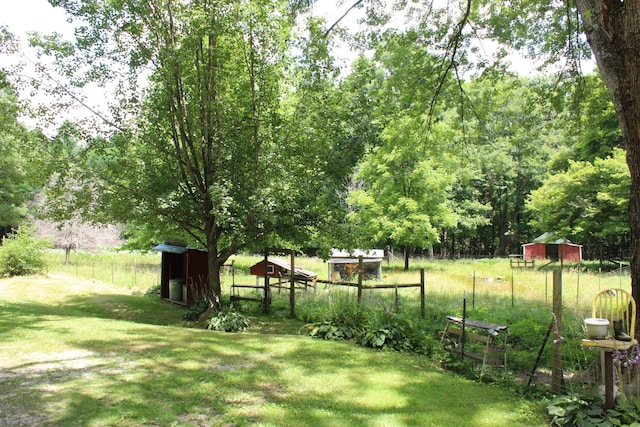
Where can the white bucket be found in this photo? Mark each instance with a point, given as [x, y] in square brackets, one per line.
[596, 327]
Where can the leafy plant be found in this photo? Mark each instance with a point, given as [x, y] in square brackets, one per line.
[22, 253]
[153, 292]
[577, 410]
[194, 312]
[331, 331]
[377, 338]
[228, 320]
[581, 410]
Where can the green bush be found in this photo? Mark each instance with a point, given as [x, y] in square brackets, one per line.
[22, 253]
[330, 331]
[228, 320]
[371, 325]
[582, 410]
[199, 307]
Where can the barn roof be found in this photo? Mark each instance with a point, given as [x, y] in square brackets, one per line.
[172, 249]
[551, 237]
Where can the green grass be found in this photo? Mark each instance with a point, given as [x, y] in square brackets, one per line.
[80, 352]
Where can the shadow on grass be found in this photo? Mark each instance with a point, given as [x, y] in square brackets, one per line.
[136, 309]
[143, 374]
[134, 372]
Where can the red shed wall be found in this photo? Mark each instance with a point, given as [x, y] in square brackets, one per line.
[534, 251]
[571, 253]
[197, 274]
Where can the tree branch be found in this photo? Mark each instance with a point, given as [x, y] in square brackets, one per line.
[335, 24]
[453, 46]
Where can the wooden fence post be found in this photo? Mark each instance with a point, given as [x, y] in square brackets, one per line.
[292, 287]
[473, 298]
[422, 305]
[556, 373]
[267, 296]
[359, 278]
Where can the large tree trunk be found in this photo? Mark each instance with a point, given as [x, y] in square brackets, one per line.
[214, 264]
[613, 32]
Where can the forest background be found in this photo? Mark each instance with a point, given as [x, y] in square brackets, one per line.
[232, 126]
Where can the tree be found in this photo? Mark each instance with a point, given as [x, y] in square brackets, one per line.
[588, 203]
[404, 199]
[15, 186]
[613, 32]
[556, 30]
[208, 157]
[508, 131]
[16, 181]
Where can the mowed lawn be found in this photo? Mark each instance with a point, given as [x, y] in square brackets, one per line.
[77, 352]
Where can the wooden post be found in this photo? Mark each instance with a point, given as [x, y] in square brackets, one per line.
[512, 290]
[556, 370]
[359, 278]
[463, 337]
[422, 305]
[267, 296]
[292, 288]
[473, 297]
[608, 379]
[578, 289]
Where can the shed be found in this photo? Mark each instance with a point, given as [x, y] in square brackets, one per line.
[184, 273]
[548, 246]
[278, 268]
[345, 263]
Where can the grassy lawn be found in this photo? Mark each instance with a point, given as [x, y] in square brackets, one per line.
[80, 352]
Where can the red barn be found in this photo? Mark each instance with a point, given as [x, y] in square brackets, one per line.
[547, 246]
[184, 273]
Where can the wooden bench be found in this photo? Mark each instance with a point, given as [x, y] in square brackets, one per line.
[481, 341]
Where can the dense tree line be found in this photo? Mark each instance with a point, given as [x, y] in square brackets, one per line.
[248, 135]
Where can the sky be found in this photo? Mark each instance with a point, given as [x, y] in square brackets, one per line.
[28, 15]
[22, 16]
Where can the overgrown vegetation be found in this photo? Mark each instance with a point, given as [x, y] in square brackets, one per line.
[228, 319]
[584, 410]
[22, 253]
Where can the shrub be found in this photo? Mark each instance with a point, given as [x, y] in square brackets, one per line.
[330, 331]
[199, 307]
[228, 320]
[589, 410]
[22, 253]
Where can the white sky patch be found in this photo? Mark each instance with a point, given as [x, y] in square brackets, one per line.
[22, 16]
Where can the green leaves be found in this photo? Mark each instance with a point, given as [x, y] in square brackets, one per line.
[228, 320]
[588, 202]
[22, 253]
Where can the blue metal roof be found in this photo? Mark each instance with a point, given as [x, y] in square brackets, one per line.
[172, 249]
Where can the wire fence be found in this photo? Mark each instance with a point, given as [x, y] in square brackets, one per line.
[525, 296]
[139, 271]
